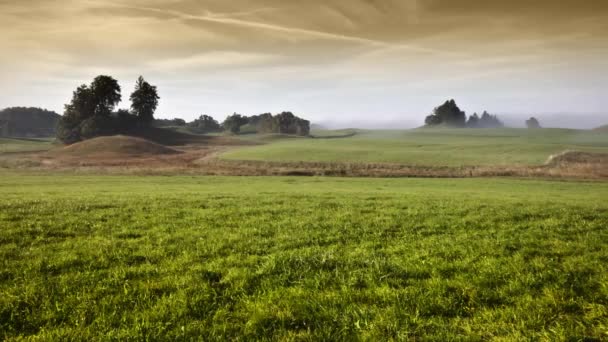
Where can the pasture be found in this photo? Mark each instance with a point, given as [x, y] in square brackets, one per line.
[429, 147]
[85, 257]
[8, 145]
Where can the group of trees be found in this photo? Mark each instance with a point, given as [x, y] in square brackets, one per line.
[28, 122]
[284, 123]
[91, 112]
[484, 121]
[449, 114]
[204, 124]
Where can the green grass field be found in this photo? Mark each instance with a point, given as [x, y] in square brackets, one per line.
[431, 147]
[24, 145]
[229, 258]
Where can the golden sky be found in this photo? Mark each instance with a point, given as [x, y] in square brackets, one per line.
[329, 60]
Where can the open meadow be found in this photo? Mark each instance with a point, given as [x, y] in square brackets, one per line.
[429, 147]
[86, 257]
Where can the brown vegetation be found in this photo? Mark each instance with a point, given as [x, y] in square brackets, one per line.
[603, 129]
[117, 146]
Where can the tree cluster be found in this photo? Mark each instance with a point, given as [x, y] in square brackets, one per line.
[204, 124]
[485, 121]
[283, 123]
[176, 122]
[91, 112]
[449, 114]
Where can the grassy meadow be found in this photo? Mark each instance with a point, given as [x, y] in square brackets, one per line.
[8, 145]
[86, 257]
[429, 147]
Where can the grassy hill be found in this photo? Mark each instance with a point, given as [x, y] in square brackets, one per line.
[28, 122]
[430, 147]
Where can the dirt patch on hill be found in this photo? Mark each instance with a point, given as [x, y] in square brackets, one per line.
[115, 147]
[603, 129]
[577, 157]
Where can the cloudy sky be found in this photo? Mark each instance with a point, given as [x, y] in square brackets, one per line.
[341, 61]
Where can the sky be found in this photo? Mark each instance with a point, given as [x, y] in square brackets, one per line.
[375, 63]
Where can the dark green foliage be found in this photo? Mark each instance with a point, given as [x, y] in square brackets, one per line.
[473, 121]
[290, 124]
[105, 95]
[144, 101]
[488, 121]
[91, 113]
[176, 122]
[283, 123]
[532, 123]
[28, 122]
[234, 122]
[264, 123]
[205, 124]
[447, 114]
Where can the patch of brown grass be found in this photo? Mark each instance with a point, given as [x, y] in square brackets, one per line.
[113, 146]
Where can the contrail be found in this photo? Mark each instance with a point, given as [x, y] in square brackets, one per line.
[214, 18]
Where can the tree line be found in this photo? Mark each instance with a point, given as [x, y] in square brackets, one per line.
[450, 115]
[92, 112]
[283, 123]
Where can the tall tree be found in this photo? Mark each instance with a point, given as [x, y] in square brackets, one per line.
[105, 91]
[89, 111]
[144, 101]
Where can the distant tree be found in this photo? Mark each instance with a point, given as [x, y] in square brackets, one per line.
[489, 121]
[85, 115]
[448, 114]
[144, 101]
[205, 124]
[532, 123]
[28, 122]
[288, 123]
[263, 123]
[234, 122]
[473, 121]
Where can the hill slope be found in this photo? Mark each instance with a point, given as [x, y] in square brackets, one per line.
[28, 122]
[118, 145]
[602, 129]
